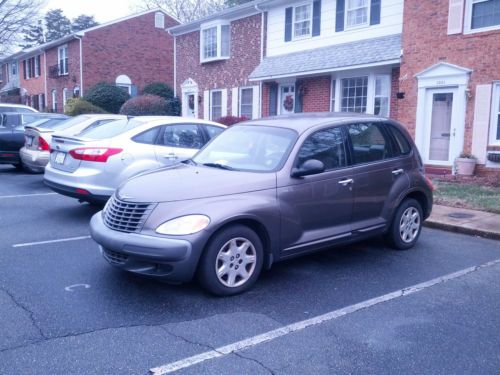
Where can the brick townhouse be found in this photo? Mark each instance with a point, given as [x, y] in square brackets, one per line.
[9, 78]
[130, 52]
[214, 58]
[450, 77]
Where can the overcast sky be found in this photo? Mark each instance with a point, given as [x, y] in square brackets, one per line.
[102, 10]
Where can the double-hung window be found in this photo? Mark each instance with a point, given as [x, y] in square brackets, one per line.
[215, 105]
[357, 13]
[302, 20]
[62, 53]
[483, 14]
[246, 102]
[495, 115]
[215, 40]
[382, 94]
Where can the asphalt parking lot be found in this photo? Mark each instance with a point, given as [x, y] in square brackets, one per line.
[356, 309]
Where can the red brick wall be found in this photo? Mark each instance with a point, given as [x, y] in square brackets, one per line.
[234, 72]
[33, 85]
[68, 81]
[394, 101]
[425, 43]
[133, 47]
[317, 94]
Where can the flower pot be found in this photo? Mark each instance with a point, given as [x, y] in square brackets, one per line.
[465, 166]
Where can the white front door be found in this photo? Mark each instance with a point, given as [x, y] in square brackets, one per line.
[442, 143]
[190, 105]
[287, 99]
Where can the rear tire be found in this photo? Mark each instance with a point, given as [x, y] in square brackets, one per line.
[406, 225]
[19, 167]
[231, 262]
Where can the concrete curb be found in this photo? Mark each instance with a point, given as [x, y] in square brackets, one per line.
[461, 229]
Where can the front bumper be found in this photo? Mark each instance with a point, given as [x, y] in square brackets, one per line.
[34, 159]
[164, 258]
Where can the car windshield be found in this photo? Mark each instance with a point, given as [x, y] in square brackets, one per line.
[111, 129]
[253, 148]
[72, 122]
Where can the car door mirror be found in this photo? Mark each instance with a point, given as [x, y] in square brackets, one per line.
[309, 167]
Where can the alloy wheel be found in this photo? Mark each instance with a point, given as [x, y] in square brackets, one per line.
[235, 262]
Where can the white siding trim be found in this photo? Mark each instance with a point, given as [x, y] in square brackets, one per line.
[482, 112]
[206, 105]
[235, 91]
[455, 16]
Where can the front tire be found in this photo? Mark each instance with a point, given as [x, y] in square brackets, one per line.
[232, 261]
[406, 225]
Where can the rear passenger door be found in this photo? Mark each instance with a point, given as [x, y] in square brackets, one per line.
[179, 142]
[379, 174]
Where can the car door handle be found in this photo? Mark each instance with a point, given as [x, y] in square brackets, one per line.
[398, 171]
[346, 182]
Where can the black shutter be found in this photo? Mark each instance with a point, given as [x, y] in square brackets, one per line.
[375, 12]
[24, 69]
[288, 24]
[339, 20]
[316, 29]
[273, 99]
[39, 66]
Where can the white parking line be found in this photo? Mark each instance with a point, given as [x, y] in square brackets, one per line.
[294, 327]
[51, 241]
[25, 195]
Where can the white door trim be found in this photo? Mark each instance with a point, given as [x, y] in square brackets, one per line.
[189, 87]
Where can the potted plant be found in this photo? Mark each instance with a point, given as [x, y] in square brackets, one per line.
[465, 164]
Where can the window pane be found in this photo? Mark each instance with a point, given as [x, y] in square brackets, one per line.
[326, 146]
[302, 21]
[225, 40]
[485, 14]
[354, 94]
[402, 144]
[368, 143]
[357, 12]
[216, 110]
[210, 43]
[246, 103]
[147, 137]
[183, 136]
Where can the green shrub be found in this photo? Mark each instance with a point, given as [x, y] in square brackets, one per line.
[159, 89]
[174, 107]
[145, 105]
[79, 106]
[107, 96]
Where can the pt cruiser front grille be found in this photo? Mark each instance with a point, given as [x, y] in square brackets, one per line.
[126, 216]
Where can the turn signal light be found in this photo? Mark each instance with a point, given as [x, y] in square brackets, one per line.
[97, 154]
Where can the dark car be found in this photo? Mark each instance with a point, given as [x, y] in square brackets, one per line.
[12, 133]
[264, 191]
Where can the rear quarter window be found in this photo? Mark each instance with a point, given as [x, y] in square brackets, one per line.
[402, 146]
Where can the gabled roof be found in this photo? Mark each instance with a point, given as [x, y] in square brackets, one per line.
[43, 47]
[442, 69]
[236, 12]
[382, 50]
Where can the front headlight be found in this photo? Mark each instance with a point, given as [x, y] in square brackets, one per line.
[184, 225]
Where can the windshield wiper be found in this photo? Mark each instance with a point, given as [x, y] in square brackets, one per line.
[189, 161]
[220, 166]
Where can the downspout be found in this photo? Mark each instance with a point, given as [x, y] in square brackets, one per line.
[175, 62]
[81, 64]
[262, 25]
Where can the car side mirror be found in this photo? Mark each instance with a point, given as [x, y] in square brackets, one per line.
[310, 167]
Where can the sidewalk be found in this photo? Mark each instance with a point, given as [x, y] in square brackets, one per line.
[461, 220]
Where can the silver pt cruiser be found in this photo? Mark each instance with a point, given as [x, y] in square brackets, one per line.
[264, 191]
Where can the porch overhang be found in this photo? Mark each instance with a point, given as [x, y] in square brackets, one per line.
[366, 53]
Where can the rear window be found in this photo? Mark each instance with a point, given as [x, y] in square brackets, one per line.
[111, 129]
[50, 123]
[72, 122]
[27, 119]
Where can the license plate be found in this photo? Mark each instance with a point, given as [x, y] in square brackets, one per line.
[29, 141]
[60, 157]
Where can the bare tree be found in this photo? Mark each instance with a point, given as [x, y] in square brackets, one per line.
[15, 15]
[184, 10]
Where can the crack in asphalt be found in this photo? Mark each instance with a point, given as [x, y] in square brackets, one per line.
[30, 313]
[255, 361]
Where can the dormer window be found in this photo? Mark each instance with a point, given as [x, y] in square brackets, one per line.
[214, 42]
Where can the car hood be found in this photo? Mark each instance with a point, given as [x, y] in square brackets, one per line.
[183, 182]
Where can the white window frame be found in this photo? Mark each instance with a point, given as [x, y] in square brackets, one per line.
[388, 78]
[370, 107]
[159, 22]
[13, 68]
[495, 112]
[26, 66]
[310, 4]
[468, 19]
[218, 26]
[240, 101]
[333, 93]
[212, 104]
[65, 97]
[360, 25]
[36, 66]
[65, 71]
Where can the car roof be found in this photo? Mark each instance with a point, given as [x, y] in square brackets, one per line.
[158, 120]
[102, 115]
[301, 122]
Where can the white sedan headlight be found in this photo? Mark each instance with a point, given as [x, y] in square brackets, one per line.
[184, 225]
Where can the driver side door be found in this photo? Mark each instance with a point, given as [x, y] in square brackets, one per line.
[316, 210]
